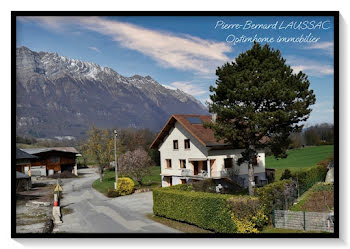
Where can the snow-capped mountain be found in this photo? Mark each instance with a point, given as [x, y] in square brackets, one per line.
[59, 96]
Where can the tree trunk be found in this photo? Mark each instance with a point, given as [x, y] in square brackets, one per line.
[250, 178]
[101, 174]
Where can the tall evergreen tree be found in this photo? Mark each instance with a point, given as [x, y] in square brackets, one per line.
[259, 101]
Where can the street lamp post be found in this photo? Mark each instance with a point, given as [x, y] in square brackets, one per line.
[115, 159]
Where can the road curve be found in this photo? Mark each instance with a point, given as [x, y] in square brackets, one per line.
[95, 213]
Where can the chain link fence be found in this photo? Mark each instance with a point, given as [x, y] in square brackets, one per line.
[307, 221]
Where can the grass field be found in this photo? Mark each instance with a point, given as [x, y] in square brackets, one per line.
[151, 181]
[299, 159]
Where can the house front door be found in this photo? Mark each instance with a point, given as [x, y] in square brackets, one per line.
[195, 167]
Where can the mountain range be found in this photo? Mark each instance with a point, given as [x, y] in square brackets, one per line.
[58, 96]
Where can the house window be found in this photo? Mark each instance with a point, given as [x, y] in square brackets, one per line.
[168, 180]
[228, 163]
[183, 181]
[54, 159]
[182, 164]
[175, 145]
[255, 162]
[168, 163]
[187, 143]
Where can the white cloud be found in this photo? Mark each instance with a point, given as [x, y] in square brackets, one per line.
[95, 49]
[169, 50]
[325, 46]
[310, 67]
[187, 87]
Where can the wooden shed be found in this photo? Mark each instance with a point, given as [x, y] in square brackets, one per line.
[53, 160]
[23, 161]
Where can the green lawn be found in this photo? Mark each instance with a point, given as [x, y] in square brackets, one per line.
[299, 159]
[151, 181]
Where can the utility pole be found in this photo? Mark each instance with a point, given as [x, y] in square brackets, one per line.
[115, 159]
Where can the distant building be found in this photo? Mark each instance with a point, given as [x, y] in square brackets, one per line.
[52, 160]
[190, 152]
[23, 160]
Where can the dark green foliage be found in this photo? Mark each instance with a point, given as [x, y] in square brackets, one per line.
[207, 185]
[307, 178]
[258, 96]
[277, 195]
[206, 210]
[111, 193]
[287, 174]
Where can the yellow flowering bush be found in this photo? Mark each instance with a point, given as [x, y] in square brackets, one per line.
[125, 186]
[247, 214]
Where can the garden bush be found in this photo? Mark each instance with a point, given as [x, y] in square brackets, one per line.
[111, 193]
[307, 178]
[287, 174]
[247, 214]
[206, 210]
[125, 186]
[277, 195]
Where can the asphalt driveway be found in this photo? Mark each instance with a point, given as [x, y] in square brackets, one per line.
[95, 213]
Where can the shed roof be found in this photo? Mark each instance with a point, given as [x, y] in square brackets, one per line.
[20, 154]
[35, 151]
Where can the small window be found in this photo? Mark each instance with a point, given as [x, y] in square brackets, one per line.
[54, 159]
[228, 163]
[183, 181]
[175, 145]
[255, 162]
[182, 164]
[168, 163]
[187, 143]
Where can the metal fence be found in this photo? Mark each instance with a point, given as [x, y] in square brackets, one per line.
[308, 221]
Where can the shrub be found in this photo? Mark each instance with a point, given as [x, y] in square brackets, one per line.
[247, 214]
[207, 185]
[111, 193]
[307, 178]
[206, 210]
[277, 195]
[287, 174]
[125, 186]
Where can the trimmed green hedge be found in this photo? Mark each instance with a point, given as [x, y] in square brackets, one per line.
[307, 178]
[206, 210]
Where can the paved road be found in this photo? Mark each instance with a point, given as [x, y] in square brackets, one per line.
[95, 213]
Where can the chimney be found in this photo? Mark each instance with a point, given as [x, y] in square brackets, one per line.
[213, 117]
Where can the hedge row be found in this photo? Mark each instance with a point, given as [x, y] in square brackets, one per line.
[307, 178]
[206, 210]
[282, 194]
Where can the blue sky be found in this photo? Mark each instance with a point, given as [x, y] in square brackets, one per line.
[183, 52]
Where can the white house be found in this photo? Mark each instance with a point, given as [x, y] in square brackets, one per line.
[189, 152]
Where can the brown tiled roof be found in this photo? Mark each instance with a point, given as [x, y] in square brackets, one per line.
[204, 135]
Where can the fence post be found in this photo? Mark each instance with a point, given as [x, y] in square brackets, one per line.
[273, 218]
[304, 221]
